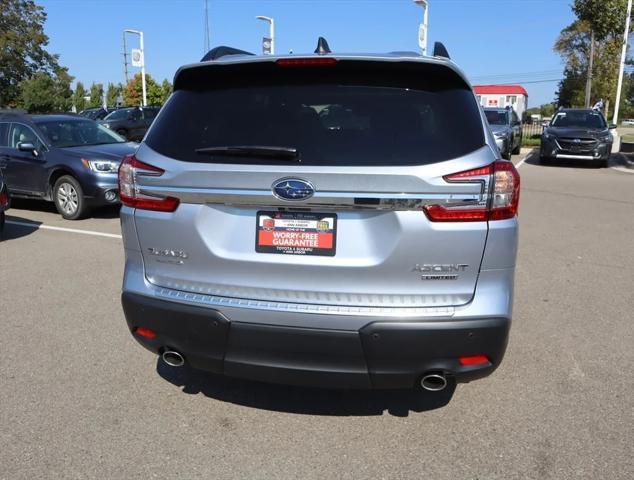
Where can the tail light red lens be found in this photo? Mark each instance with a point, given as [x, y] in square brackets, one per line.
[4, 199]
[306, 62]
[129, 191]
[145, 332]
[503, 183]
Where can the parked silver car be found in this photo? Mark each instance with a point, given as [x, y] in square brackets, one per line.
[321, 220]
[506, 128]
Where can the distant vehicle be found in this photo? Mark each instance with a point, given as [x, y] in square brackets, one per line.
[577, 134]
[96, 113]
[507, 129]
[131, 123]
[628, 121]
[4, 199]
[67, 159]
[546, 121]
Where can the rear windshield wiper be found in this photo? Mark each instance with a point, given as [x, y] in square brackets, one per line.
[262, 151]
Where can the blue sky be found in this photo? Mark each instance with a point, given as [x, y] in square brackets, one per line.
[493, 41]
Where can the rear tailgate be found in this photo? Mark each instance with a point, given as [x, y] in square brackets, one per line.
[374, 143]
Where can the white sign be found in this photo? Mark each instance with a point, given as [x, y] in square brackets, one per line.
[137, 57]
[422, 36]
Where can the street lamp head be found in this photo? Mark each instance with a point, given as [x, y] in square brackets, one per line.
[266, 19]
[422, 3]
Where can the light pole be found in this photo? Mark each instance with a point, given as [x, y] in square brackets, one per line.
[140, 62]
[271, 23]
[422, 28]
[626, 35]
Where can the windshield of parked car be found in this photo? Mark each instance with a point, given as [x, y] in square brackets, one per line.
[496, 118]
[119, 114]
[77, 133]
[579, 120]
[92, 114]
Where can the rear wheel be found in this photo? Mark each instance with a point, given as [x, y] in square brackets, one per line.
[516, 150]
[69, 198]
[544, 160]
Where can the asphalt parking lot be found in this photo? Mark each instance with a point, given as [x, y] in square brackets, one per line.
[80, 399]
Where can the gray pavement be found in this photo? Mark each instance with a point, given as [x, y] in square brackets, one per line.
[80, 399]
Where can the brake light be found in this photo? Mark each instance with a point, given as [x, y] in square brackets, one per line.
[306, 62]
[4, 199]
[502, 203]
[129, 191]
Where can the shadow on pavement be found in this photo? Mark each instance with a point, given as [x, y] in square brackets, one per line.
[301, 400]
[43, 206]
[13, 232]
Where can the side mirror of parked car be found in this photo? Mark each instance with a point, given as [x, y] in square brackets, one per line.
[28, 147]
[612, 126]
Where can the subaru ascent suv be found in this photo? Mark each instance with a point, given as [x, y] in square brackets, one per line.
[321, 220]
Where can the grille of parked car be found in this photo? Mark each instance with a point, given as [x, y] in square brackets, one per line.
[577, 145]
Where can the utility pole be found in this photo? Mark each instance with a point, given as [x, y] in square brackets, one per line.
[206, 27]
[619, 85]
[589, 77]
[125, 59]
[271, 22]
[422, 28]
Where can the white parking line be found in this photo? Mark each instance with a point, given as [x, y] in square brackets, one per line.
[521, 162]
[63, 229]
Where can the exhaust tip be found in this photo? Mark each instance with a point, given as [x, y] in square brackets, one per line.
[173, 359]
[433, 382]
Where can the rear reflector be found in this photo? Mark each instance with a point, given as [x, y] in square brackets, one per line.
[503, 184]
[470, 360]
[4, 199]
[129, 192]
[306, 62]
[145, 332]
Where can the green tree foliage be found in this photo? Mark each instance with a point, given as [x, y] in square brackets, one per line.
[79, 97]
[22, 47]
[112, 93]
[605, 17]
[156, 93]
[46, 93]
[96, 95]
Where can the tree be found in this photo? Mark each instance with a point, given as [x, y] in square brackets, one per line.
[22, 47]
[46, 93]
[79, 97]
[605, 17]
[96, 95]
[112, 94]
[156, 94]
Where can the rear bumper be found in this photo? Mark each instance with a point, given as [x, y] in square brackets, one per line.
[381, 354]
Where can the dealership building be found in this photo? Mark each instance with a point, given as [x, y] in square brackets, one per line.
[501, 96]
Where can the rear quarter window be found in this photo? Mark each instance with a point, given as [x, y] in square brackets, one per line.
[338, 120]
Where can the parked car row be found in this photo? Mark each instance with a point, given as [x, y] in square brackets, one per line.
[129, 122]
[66, 159]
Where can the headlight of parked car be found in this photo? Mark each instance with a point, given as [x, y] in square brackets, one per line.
[605, 138]
[101, 166]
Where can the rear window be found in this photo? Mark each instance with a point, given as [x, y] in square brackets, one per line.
[338, 121]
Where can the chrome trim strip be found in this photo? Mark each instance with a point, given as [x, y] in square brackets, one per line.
[265, 198]
[575, 157]
[216, 301]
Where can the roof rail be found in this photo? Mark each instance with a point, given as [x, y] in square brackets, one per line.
[441, 51]
[222, 51]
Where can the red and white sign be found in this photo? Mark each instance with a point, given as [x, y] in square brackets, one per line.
[296, 233]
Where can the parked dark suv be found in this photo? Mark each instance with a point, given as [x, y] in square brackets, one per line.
[98, 113]
[577, 134]
[66, 159]
[131, 123]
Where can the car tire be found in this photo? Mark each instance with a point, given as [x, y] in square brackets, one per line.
[517, 149]
[543, 160]
[123, 132]
[68, 197]
[2, 220]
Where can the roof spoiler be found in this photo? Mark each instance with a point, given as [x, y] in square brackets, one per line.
[441, 51]
[223, 51]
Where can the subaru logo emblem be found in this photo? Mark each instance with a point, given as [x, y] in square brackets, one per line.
[293, 189]
[576, 140]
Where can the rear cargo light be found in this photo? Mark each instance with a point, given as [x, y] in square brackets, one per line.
[4, 199]
[502, 203]
[469, 360]
[129, 191]
[306, 62]
[145, 332]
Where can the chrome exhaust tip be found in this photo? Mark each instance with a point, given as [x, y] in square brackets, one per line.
[433, 382]
[173, 359]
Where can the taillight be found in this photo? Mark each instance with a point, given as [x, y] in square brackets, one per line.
[503, 184]
[4, 199]
[306, 62]
[129, 191]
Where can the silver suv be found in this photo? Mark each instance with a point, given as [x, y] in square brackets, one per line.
[323, 220]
